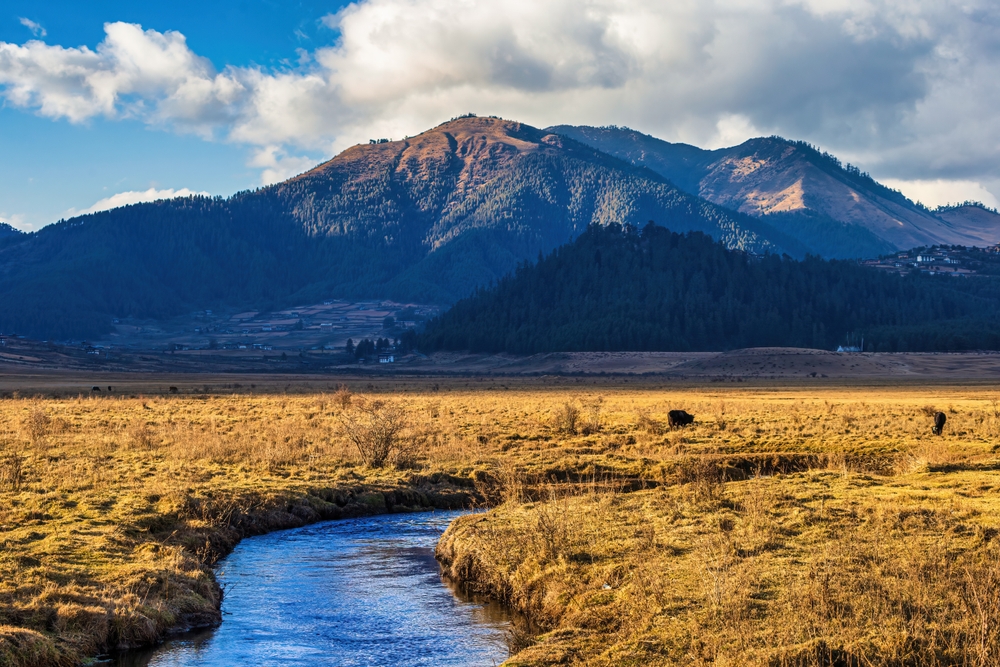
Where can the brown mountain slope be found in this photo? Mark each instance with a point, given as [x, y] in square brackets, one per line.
[973, 220]
[509, 189]
[427, 219]
[836, 211]
[765, 176]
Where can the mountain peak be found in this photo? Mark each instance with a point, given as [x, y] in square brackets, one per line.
[836, 210]
[460, 143]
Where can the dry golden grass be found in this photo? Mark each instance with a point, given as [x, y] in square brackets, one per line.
[858, 539]
[112, 510]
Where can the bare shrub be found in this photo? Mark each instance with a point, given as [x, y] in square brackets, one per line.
[567, 418]
[552, 526]
[342, 397]
[375, 429]
[11, 472]
[37, 425]
[593, 421]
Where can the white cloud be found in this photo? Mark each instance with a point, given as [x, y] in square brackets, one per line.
[16, 221]
[134, 197]
[730, 131]
[907, 89]
[941, 192]
[276, 165]
[36, 28]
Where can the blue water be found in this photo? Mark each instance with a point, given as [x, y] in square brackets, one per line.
[353, 592]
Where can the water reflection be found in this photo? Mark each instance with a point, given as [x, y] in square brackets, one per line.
[356, 592]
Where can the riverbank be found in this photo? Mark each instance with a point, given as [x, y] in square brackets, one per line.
[363, 591]
[114, 508]
[814, 568]
[113, 512]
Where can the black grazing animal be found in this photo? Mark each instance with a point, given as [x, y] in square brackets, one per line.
[939, 420]
[95, 388]
[677, 418]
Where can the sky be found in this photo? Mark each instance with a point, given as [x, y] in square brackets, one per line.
[107, 102]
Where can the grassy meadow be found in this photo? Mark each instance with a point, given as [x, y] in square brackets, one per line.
[787, 526]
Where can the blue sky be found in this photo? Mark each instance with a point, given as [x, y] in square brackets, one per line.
[52, 167]
[105, 102]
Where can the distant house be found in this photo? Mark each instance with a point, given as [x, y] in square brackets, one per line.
[386, 358]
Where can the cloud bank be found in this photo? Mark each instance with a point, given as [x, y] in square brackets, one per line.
[907, 90]
[134, 197]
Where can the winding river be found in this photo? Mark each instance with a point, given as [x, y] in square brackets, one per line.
[353, 592]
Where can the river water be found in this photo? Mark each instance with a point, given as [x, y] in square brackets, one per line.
[353, 592]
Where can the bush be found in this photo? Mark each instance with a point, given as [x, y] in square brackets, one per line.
[11, 472]
[567, 418]
[342, 397]
[37, 425]
[375, 428]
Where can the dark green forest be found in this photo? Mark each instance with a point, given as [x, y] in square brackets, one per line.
[8, 231]
[618, 288]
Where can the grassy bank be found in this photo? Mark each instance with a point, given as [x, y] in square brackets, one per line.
[113, 509]
[881, 551]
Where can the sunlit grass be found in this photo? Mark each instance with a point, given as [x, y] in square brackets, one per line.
[112, 509]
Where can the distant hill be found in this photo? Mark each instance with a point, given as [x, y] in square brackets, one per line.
[973, 218]
[835, 210]
[427, 219]
[616, 289]
[7, 231]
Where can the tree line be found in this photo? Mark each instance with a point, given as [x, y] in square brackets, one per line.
[621, 288]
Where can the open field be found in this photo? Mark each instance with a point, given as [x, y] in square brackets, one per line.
[302, 359]
[792, 524]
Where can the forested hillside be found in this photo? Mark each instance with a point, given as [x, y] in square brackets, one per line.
[7, 231]
[616, 288]
[426, 219]
[835, 210]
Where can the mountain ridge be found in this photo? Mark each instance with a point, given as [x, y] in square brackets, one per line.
[797, 189]
[428, 218]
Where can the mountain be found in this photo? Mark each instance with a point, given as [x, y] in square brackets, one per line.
[834, 210]
[973, 218]
[6, 231]
[619, 289]
[429, 218]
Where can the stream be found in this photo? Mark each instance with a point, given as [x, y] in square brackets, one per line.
[351, 592]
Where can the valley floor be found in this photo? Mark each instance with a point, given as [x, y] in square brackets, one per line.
[792, 524]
